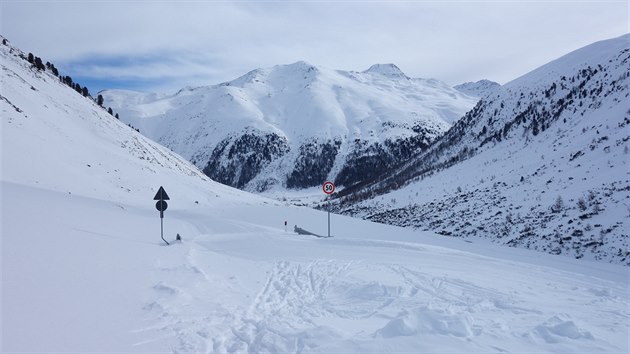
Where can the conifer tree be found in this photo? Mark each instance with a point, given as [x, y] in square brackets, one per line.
[38, 64]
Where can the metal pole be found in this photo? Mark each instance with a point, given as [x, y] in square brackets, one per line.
[162, 230]
[329, 218]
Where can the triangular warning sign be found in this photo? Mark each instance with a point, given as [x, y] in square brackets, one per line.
[161, 194]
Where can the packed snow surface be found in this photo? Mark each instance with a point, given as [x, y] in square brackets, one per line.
[84, 268]
[87, 274]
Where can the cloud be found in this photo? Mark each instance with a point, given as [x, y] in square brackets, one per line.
[164, 43]
[167, 71]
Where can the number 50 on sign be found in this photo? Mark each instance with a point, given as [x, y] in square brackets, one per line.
[329, 188]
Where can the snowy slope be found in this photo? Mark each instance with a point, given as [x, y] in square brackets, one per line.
[297, 125]
[84, 269]
[540, 163]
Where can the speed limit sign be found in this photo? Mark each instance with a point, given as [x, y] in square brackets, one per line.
[329, 188]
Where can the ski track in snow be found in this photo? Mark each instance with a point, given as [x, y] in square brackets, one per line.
[280, 314]
[301, 305]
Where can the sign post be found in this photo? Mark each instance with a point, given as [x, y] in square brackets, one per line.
[161, 205]
[328, 188]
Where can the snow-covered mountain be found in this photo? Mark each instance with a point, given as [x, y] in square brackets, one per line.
[84, 269]
[55, 139]
[480, 88]
[295, 126]
[540, 163]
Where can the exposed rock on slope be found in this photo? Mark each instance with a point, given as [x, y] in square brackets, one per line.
[541, 163]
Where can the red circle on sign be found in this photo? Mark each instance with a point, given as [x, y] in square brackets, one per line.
[329, 188]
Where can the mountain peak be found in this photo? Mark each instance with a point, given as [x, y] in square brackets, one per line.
[294, 125]
[299, 66]
[387, 70]
[477, 89]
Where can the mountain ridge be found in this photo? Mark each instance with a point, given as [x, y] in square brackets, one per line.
[524, 145]
[330, 124]
[30, 95]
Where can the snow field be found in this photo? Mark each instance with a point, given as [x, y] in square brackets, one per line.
[247, 286]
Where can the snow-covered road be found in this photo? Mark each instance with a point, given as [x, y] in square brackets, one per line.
[82, 274]
[350, 297]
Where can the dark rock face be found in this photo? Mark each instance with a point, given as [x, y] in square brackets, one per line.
[313, 164]
[237, 160]
[369, 161]
[364, 162]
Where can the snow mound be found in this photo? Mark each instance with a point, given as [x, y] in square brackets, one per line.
[425, 320]
[558, 328]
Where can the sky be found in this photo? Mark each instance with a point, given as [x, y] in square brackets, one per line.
[163, 46]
